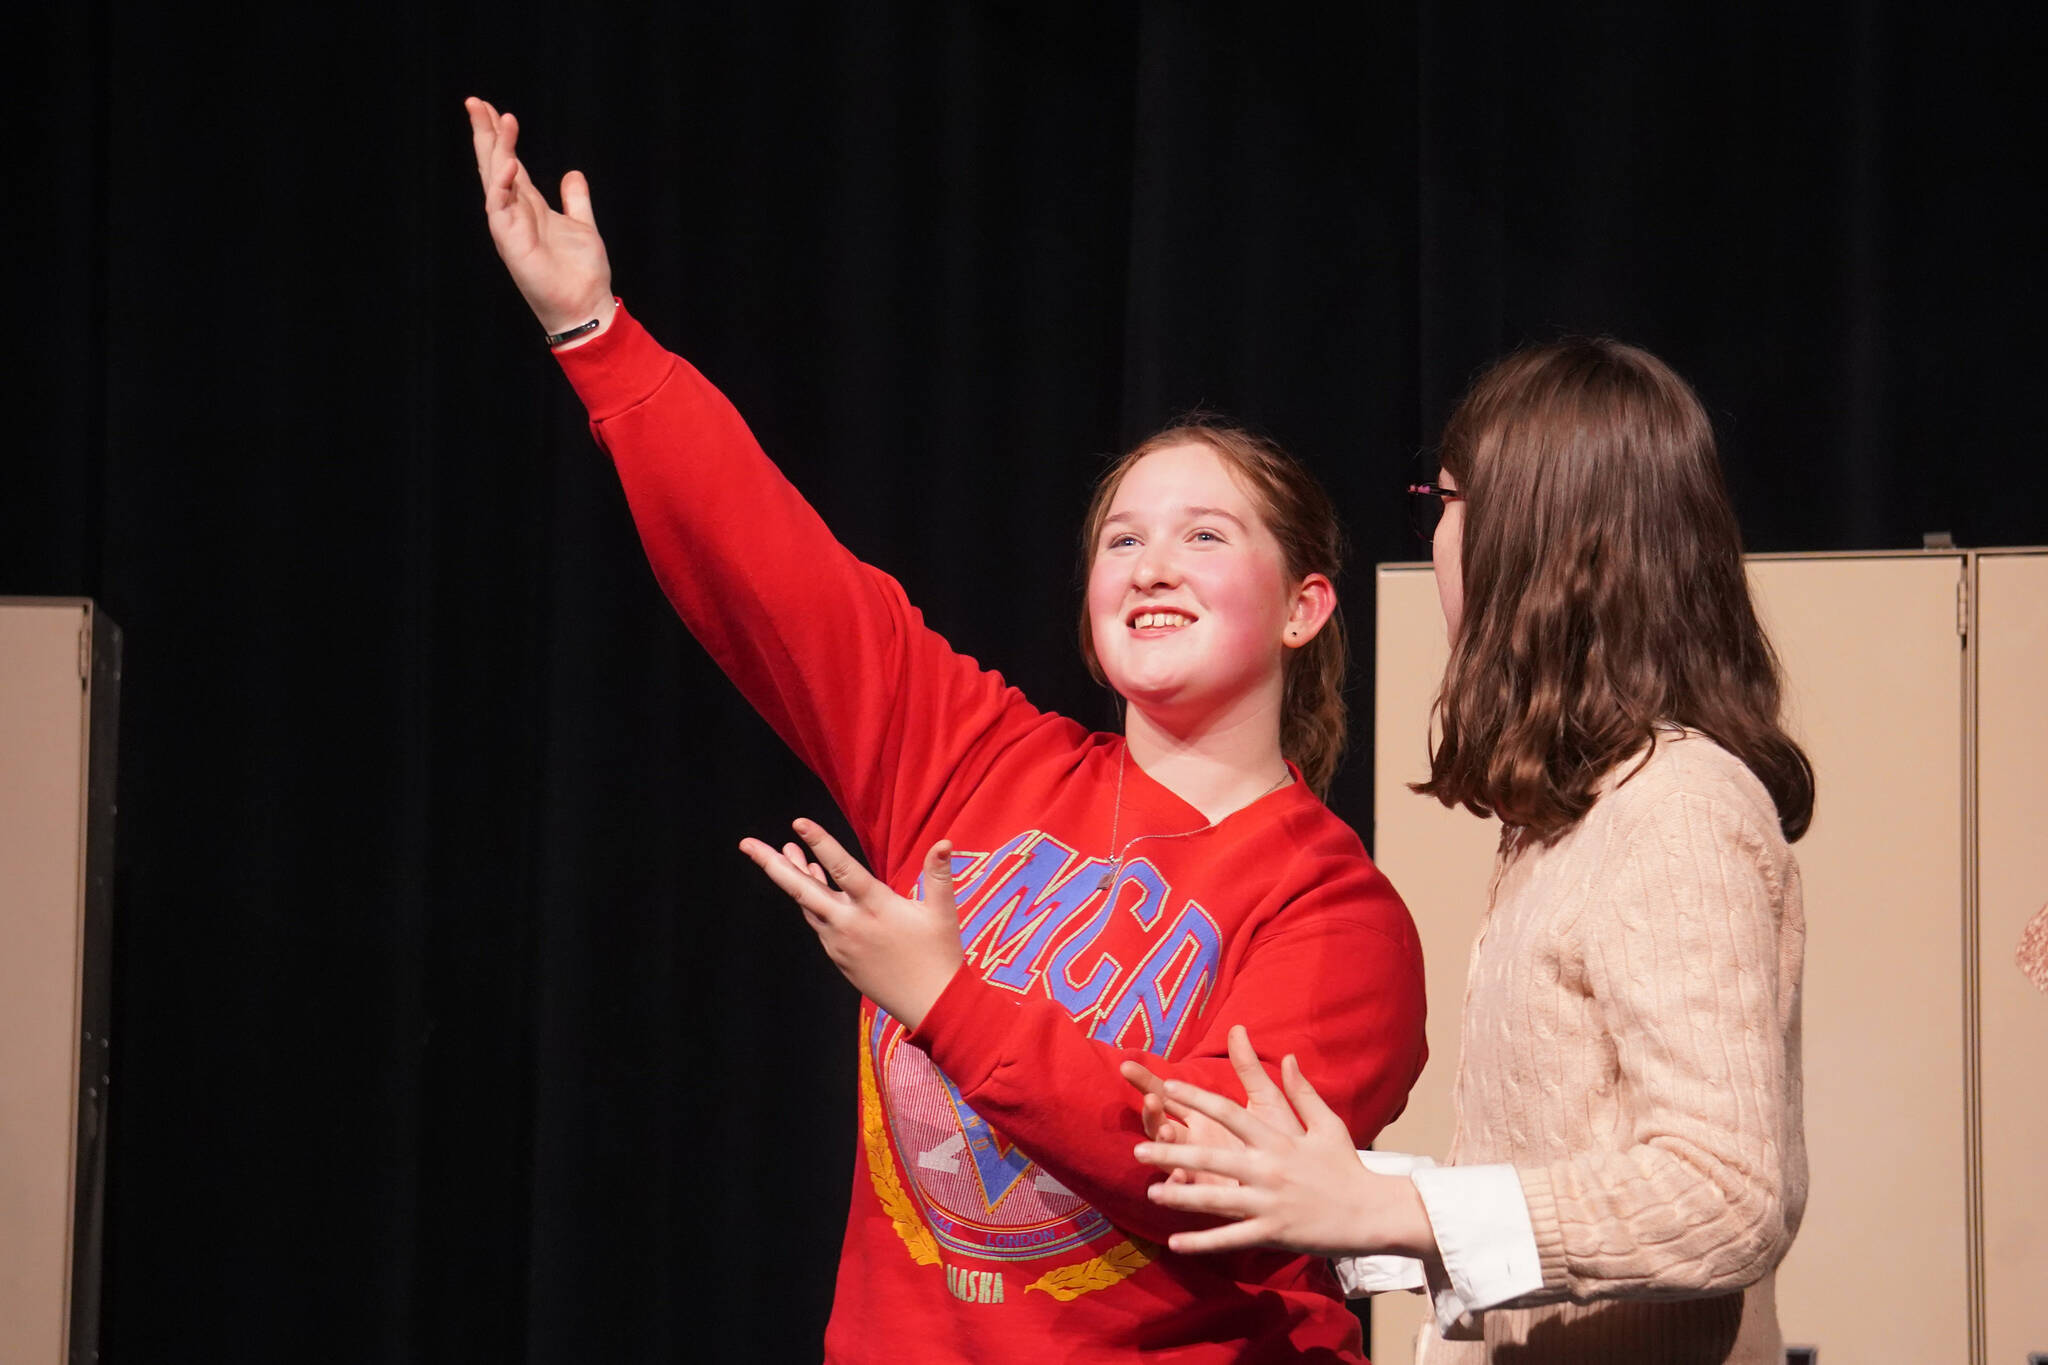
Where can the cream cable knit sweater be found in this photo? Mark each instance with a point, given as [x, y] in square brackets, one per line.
[1630, 1043]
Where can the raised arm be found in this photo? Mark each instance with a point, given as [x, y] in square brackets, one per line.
[557, 260]
[827, 649]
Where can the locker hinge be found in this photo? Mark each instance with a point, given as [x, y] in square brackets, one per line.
[85, 653]
[1963, 607]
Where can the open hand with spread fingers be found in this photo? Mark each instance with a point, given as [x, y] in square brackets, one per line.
[1294, 1183]
[1167, 1121]
[557, 259]
[898, 952]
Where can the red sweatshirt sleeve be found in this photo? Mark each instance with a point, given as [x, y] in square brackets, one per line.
[826, 648]
[1335, 980]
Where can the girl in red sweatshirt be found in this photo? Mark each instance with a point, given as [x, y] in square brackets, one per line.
[1046, 902]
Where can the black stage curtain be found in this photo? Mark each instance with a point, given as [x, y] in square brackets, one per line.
[449, 1025]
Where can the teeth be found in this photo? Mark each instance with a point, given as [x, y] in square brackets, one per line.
[1147, 620]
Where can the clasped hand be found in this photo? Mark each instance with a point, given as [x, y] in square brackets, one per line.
[1281, 1167]
[898, 952]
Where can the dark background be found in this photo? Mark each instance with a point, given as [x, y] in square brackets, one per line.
[448, 1025]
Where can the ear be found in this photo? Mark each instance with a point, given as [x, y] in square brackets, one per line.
[1315, 599]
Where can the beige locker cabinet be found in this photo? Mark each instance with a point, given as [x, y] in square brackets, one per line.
[1874, 692]
[59, 679]
[1440, 861]
[2011, 633]
[1915, 681]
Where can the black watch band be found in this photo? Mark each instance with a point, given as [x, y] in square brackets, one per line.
[555, 339]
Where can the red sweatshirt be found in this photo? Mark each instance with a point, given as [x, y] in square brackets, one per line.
[997, 1212]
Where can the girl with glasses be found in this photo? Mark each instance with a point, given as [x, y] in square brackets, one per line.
[1627, 1166]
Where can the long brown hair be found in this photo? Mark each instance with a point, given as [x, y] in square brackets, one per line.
[1304, 521]
[1604, 591]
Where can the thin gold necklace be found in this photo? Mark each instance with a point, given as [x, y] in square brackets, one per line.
[1116, 816]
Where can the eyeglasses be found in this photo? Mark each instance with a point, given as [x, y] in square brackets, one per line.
[1426, 506]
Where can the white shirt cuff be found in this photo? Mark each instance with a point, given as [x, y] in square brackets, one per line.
[1362, 1275]
[1481, 1220]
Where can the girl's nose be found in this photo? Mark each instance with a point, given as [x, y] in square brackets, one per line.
[1156, 567]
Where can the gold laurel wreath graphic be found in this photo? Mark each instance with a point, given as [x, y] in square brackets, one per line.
[874, 1136]
[1113, 1266]
[1068, 1282]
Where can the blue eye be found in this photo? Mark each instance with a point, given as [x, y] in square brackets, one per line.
[1118, 542]
[1208, 535]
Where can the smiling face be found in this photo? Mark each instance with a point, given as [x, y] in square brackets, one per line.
[1189, 600]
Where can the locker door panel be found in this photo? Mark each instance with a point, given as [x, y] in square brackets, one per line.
[42, 785]
[1440, 861]
[1873, 662]
[2012, 884]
